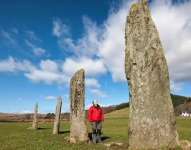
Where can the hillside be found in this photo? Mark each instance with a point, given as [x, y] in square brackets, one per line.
[114, 111]
[18, 117]
[182, 108]
[177, 99]
[122, 113]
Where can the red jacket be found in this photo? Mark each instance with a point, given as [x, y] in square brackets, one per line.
[95, 114]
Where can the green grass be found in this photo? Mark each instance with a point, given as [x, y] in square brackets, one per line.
[15, 136]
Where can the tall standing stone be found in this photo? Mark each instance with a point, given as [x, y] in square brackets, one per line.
[78, 127]
[34, 125]
[152, 122]
[57, 116]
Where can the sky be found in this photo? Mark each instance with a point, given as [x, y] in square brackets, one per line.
[43, 43]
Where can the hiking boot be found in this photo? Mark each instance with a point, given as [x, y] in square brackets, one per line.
[94, 141]
[94, 138]
[99, 141]
[99, 138]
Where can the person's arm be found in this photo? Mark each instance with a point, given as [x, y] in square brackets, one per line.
[102, 117]
[90, 114]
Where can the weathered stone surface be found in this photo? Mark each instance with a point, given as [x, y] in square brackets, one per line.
[152, 122]
[113, 144]
[78, 127]
[185, 144]
[57, 116]
[34, 125]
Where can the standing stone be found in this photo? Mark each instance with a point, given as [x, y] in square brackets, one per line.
[57, 116]
[152, 121]
[34, 126]
[78, 127]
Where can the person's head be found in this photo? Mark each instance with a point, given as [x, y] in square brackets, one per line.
[95, 102]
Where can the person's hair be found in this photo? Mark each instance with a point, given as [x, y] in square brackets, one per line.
[93, 102]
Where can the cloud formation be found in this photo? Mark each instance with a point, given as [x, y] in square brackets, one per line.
[47, 71]
[9, 40]
[59, 28]
[50, 97]
[101, 47]
[106, 41]
[31, 36]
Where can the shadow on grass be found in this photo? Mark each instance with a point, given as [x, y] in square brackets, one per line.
[43, 128]
[63, 132]
[102, 138]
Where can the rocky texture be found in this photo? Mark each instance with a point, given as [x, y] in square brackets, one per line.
[78, 127]
[73, 140]
[113, 144]
[57, 116]
[34, 125]
[185, 145]
[152, 122]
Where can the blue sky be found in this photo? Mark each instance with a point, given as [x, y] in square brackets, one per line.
[43, 43]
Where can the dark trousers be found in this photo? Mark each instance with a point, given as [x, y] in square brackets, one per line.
[96, 129]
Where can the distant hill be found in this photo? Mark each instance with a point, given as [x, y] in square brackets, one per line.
[177, 100]
[18, 117]
[180, 103]
[122, 113]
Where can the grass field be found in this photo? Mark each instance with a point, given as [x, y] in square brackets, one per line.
[15, 136]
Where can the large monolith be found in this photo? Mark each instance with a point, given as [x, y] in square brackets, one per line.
[34, 125]
[57, 116]
[152, 121]
[78, 127]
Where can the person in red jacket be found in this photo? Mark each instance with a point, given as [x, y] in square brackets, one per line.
[95, 116]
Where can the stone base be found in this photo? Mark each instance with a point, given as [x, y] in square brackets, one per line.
[185, 144]
[113, 144]
[73, 140]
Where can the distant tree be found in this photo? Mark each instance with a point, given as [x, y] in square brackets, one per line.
[189, 99]
[177, 100]
[28, 116]
[49, 116]
[122, 105]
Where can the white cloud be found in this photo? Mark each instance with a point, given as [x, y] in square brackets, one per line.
[43, 76]
[50, 97]
[49, 65]
[176, 38]
[35, 49]
[91, 67]
[14, 30]
[176, 86]
[102, 46]
[31, 35]
[11, 65]
[107, 43]
[59, 28]
[92, 83]
[38, 51]
[98, 93]
[26, 112]
[87, 44]
[9, 40]
[48, 73]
